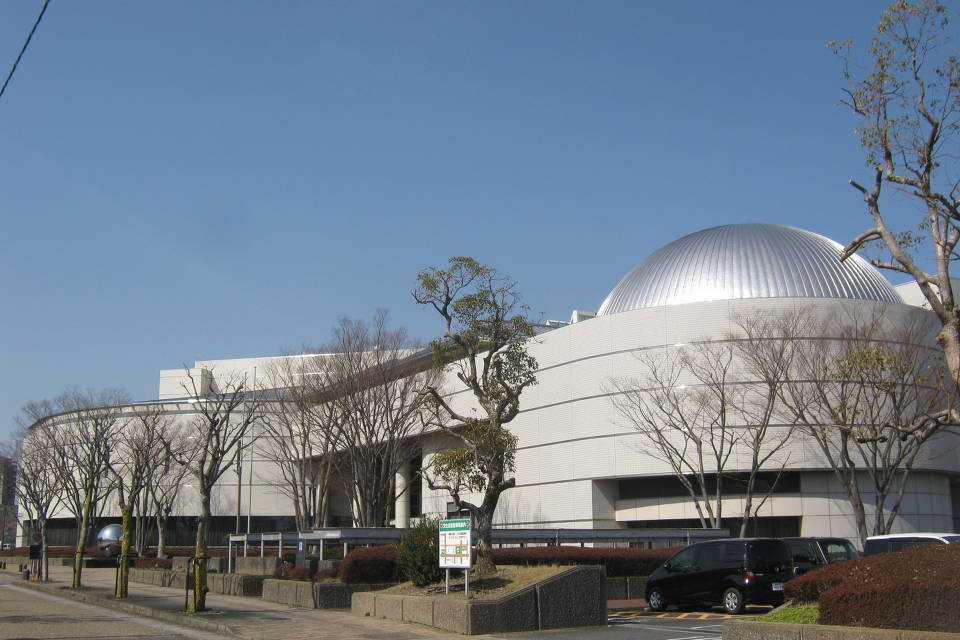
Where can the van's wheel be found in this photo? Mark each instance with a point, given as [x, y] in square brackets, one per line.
[732, 601]
[655, 600]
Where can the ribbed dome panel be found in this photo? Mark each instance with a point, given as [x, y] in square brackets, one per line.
[747, 261]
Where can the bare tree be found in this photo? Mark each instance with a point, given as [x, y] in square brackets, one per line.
[137, 452]
[219, 432]
[765, 361]
[163, 493]
[685, 413]
[39, 484]
[378, 405]
[871, 399]
[81, 430]
[908, 104]
[300, 431]
[484, 343]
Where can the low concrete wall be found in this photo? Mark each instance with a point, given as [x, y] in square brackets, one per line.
[315, 595]
[576, 597]
[180, 563]
[627, 588]
[225, 583]
[256, 566]
[751, 630]
[161, 578]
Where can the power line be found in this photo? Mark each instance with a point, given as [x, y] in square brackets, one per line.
[24, 48]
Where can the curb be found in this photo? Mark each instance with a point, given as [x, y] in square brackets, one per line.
[135, 609]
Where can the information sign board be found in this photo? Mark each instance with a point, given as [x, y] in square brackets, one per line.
[455, 544]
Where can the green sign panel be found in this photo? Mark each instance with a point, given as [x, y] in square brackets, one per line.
[455, 541]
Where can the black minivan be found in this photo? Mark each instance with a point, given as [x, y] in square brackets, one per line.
[732, 573]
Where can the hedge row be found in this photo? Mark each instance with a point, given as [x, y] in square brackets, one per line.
[94, 552]
[370, 565]
[52, 552]
[379, 564]
[914, 589]
[619, 562]
[153, 563]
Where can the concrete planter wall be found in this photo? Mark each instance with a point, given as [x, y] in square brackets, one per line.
[749, 630]
[627, 588]
[225, 583]
[256, 566]
[318, 595]
[218, 565]
[576, 597]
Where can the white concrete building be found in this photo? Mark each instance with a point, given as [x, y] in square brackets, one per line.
[579, 465]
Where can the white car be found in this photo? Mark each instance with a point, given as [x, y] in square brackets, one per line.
[901, 541]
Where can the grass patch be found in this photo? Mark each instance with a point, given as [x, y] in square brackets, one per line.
[508, 578]
[797, 614]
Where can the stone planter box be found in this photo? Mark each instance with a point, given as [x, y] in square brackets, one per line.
[315, 595]
[627, 588]
[225, 583]
[576, 597]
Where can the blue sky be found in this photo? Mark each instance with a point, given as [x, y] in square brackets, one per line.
[202, 180]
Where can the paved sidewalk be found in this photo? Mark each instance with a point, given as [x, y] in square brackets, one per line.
[236, 616]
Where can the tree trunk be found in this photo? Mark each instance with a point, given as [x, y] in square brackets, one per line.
[199, 601]
[483, 524]
[161, 535]
[82, 540]
[44, 560]
[123, 570]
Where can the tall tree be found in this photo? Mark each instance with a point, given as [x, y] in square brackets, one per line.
[39, 484]
[908, 105]
[870, 400]
[137, 452]
[81, 429]
[219, 431]
[378, 404]
[485, 345]
[300, 429]
[698, 407]
[164, 492]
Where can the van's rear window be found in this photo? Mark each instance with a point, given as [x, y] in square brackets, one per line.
[769, 555]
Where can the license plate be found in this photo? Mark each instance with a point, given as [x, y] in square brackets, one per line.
[777, 586]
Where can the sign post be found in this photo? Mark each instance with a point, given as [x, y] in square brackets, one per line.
[455, 539]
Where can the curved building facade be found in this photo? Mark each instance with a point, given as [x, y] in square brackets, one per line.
[580, 464]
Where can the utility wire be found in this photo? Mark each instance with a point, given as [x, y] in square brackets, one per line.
[24, 48]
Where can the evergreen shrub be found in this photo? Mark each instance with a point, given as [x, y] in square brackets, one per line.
[418, 553]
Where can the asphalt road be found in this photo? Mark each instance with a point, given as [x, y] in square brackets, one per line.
[25, 615]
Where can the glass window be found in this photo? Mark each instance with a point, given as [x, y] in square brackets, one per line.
[684, 559]
[839, 551]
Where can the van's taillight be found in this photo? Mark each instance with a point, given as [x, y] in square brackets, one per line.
[748, 573]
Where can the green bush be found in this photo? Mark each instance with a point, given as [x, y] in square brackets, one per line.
[418, 555]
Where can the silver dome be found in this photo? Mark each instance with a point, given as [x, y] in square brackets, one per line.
[747, 261]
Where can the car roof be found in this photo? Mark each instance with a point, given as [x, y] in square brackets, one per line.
[911, 535]
[817, 538]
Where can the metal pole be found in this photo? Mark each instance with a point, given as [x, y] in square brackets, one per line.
[466, 582]
[447, 590]
[250, 471]
[239, 489]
